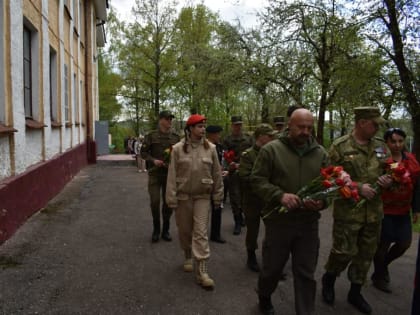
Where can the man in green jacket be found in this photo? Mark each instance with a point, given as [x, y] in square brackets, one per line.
[282, 168]
[356, 231]
[237, 142]
[251, 204]
[153, 152]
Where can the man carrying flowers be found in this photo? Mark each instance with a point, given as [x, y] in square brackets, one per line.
[282, 168]
[356, 229]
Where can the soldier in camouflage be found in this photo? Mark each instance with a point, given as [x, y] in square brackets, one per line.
[238, 142]
[251, 203]
[356, 231]
[153, 152]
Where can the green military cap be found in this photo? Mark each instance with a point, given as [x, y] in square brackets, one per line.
[369, 112]
[166, 114]
[278, 120]
[236, 119]
[264, 129]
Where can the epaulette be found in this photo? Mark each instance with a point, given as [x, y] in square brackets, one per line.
[244, 152]
[341, 139]
[379, 139]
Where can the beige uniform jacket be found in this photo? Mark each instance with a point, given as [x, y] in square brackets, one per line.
[194, 175]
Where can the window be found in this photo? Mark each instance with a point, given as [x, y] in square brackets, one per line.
[53, 86]
[75, 99]
[66, 95]
[27, 72]
[82, 102]
[76, 15]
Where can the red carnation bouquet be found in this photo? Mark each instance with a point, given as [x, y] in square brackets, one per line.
[230, 159]
[400, 175]
[333, 182]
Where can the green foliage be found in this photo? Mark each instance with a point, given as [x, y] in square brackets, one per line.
[109, 85]
[308, 52]
[119, 132]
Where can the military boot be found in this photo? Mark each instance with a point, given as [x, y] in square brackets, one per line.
[252, 261]
[265, 305]
[356, 299]
[188, 262]
[156, 231]
[165, 231]
[238, 224]
[328, 281]
[202, 275]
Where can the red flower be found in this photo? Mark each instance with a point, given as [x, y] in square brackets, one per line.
[326, 183]
[339, 181]
[229, 156]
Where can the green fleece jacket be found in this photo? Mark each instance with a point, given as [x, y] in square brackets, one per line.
[281, 168]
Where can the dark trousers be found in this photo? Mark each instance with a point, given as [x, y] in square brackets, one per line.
[216, 221]
[302, 243]
[157, 191]
[252, 221]
[235, 194]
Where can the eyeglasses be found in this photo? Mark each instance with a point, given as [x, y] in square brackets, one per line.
[391, 130]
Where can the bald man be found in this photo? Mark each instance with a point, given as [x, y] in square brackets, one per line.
[282, 168]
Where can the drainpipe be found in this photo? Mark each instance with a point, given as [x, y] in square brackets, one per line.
[91, 145]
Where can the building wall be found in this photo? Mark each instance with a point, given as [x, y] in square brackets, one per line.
[39, 155]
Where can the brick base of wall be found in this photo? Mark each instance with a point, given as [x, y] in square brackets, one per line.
[23, 195]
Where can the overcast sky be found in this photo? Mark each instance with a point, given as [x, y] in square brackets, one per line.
[230, 10]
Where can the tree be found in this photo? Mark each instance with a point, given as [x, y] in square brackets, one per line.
[109, 85]
[393, 26]
[316, 29]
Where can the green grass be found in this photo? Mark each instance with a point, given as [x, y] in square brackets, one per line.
[416, 226]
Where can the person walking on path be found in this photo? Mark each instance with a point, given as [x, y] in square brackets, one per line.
[251, 203]
[236, 142]
[194, 179]
[153, 152]
[356, 230]
[396, 232]
[213, 135]
[283, 166]
[279, 123]
[141, 164]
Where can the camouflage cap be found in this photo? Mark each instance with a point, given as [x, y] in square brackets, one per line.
[279, 120]
[166, 114]
[369, 112]
[236, 119]
[264, 129]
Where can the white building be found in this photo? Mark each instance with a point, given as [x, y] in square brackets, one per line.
[48, 99]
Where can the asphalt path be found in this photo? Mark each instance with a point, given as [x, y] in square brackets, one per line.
[89, 252]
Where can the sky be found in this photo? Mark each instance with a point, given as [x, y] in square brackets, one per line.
[229, 10]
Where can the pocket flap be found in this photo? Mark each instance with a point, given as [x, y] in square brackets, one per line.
[208, 181]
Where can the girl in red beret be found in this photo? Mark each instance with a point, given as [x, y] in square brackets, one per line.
[194, 180]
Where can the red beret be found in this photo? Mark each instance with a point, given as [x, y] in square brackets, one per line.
[195, 119]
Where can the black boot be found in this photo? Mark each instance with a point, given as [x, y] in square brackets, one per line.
[238, 224]
[265, 305]
[379, 282]
[156, 231]
[216, 220]
[252, 261]
[242, 219]
[165, 231]
[356, 299]
[328, 281]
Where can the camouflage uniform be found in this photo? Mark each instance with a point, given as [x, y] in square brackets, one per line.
[251, 203]
[356, 232]
[238, 145]
[154, 145]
